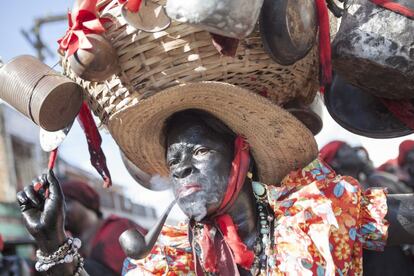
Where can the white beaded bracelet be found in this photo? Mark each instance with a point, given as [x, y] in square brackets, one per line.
[66, 253]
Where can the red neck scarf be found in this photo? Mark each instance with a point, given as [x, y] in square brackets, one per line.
[240, 254]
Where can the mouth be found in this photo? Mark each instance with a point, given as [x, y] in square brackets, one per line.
[188, 189]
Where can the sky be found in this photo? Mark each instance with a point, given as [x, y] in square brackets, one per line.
[20, 14]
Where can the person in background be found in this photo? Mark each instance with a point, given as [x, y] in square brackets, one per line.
[347, 160]
[99, 235]
[354, 161]
[403, 165]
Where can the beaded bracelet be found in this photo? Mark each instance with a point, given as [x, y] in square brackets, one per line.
[79, 267]
[66, 253]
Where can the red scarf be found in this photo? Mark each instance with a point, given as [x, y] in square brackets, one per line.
[241, 255]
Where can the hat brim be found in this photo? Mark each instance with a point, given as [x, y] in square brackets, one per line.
[361, 113]
[279, 142]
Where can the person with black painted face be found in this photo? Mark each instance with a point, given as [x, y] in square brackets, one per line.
[239, 225]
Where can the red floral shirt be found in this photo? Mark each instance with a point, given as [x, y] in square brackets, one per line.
[322, 222]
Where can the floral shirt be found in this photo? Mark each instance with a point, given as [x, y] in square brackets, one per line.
[322, 222]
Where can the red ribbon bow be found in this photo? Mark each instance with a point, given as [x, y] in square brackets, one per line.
[132, 5]
[82, 21]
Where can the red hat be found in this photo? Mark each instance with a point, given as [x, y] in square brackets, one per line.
[328, 152]
[405, 147]
[83, 193]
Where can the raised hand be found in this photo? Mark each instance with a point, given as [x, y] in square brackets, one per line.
[43, 212]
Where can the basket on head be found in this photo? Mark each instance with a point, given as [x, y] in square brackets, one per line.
[182, 54]
[152, 62]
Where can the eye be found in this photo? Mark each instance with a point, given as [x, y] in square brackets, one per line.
[172, 162]
[201, 151]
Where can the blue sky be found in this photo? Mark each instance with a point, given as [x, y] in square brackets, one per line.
[20, 14]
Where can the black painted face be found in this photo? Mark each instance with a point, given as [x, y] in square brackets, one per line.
[200, 161]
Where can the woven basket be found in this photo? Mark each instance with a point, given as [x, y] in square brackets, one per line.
[151, 62]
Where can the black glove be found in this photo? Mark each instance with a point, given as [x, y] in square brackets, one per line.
[42, 206]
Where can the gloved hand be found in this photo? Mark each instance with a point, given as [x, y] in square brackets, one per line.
[42, 207]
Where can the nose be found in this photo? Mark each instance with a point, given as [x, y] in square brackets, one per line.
[183, 171]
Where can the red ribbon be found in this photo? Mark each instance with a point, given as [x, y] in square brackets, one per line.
[395, 7]
[132, 5]
[82, 21]
[52, 159]
[325, 62]
[242, 255]
[402, 109]
[94, 140]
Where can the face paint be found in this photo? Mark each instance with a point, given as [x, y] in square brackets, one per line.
[200, 161]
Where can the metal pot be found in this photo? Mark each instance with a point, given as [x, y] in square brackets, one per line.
[231, 18]
[309, 115]
[288, 29]
[96, 64]
[360, 112]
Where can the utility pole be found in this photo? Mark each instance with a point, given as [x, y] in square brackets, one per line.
[33, 36]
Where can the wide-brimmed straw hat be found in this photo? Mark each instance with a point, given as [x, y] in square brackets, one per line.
[179, 68]
[279, 142]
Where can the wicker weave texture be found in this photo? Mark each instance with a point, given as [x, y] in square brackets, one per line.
[152, 62]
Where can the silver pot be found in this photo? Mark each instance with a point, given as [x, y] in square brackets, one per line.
[231, 18]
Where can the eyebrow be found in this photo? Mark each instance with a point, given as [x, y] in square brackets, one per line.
[176, 147]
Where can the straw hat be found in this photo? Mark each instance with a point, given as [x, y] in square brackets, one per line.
[279, 142]
[179, 68]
